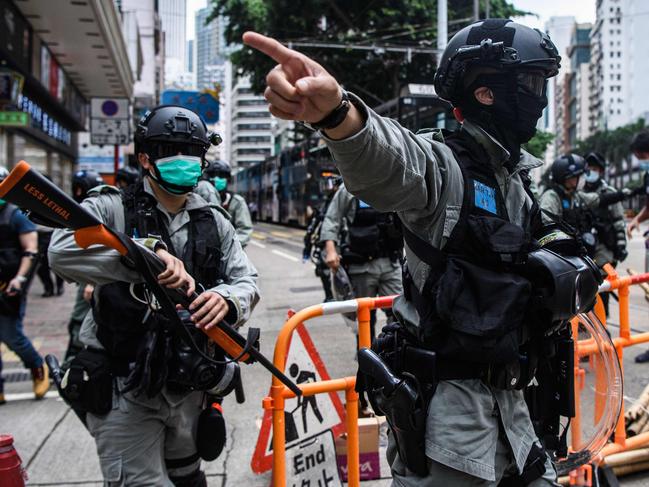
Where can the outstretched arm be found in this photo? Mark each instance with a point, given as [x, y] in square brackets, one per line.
[381, 162]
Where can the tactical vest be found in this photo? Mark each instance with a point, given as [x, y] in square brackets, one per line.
[603, 222]
[120, 311]
[372, 234]
[10, 247]
[580, 218]
[474, 302]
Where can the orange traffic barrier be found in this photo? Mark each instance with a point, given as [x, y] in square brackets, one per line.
[279, 392]
[588, 348]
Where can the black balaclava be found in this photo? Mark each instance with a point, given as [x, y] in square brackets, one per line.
[512, 119]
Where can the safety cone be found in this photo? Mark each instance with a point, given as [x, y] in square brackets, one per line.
[12, 473]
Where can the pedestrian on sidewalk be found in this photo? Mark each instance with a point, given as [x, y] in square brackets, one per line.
[18, 252]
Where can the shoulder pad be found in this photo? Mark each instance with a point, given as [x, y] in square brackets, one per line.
[435, 134]
[221, 210]
[104, 189]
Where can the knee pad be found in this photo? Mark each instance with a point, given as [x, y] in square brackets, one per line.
[194, 479]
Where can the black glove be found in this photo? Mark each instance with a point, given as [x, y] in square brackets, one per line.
[612, 198]
[620, 254]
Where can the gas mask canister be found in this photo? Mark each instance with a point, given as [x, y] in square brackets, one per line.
[177, 174]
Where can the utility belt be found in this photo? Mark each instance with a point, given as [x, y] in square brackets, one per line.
[350, 257]
[404, 396]
[164, 360]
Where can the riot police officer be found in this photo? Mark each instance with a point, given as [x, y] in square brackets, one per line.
[126, 176]
[82, 182]
[371, 246]
[467, 215]
[313, 247]
[219, 174]
[565, 200]
[149, 434]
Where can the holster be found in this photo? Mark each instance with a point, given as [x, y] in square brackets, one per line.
[88, 383]
[402, 401]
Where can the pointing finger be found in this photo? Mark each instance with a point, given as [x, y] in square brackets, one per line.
[268, 46]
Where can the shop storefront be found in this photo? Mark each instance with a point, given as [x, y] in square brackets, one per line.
[56, 109]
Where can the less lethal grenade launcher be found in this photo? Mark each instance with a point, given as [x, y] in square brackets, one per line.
[29, 190]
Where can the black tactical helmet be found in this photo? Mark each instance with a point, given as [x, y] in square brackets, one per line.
[217, 169]
[128, 174]
[596, 159]
[493, 44]
[566, 167]
[83, 181]
[168, 130]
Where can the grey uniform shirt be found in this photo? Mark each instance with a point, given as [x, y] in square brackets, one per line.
[236, 207]
[100, 265]
[417, 176]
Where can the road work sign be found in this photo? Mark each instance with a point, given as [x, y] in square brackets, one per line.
[312, 463]
[304, 417]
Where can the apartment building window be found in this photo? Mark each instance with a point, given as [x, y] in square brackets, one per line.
[247, 152]
[253, 138]
[248, 103]
[253, 126]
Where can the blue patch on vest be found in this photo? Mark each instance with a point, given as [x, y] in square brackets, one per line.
[362, 204]
[565, 204]
[485, 197]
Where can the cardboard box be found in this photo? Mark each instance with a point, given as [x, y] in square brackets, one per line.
[368, 438]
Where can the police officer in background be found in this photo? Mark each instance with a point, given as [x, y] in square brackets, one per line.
[463, 199]
[313, 247]
[372, 246]
[126, 176]
[149, 435]
[568, 200]
[219, 174]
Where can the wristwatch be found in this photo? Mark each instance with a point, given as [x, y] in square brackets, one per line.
[21, 279]
[334, 118]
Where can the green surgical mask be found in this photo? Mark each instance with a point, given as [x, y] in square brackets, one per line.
[177, 174]
[220, 183]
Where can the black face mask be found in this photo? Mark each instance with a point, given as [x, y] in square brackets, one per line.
[513, 117]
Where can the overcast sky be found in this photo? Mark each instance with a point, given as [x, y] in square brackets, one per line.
[583, 10]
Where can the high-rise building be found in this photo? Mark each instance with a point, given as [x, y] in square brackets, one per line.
[251, 126]
[190, 56]
[144, 42]
[619, 64]
[172, 15]
[577, 94]
[211, 51]
[559, 29]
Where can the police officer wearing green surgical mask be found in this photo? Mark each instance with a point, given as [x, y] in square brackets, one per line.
[150, 435]
[217, 175]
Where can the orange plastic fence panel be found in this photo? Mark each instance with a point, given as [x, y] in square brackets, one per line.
[279, 392]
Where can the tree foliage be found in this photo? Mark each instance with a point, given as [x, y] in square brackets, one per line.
[374, 75]
[539, 143]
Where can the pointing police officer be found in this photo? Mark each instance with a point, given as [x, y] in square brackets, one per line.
[467, 212]
[148, 436]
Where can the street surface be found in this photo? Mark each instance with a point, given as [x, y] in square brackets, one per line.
[57, 450]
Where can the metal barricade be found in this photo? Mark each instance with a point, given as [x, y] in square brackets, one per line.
[279, 392]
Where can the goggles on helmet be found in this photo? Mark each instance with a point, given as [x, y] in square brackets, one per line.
[161, 150]
[532, 82]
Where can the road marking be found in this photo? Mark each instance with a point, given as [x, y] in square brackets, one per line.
[285, 255]
[275, 233]
[256, 244]
[258, 235]
[22, 396]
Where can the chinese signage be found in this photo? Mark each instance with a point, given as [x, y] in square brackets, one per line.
[14, 119]
[43, 121]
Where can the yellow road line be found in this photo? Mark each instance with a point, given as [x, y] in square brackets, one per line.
[258, 235]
